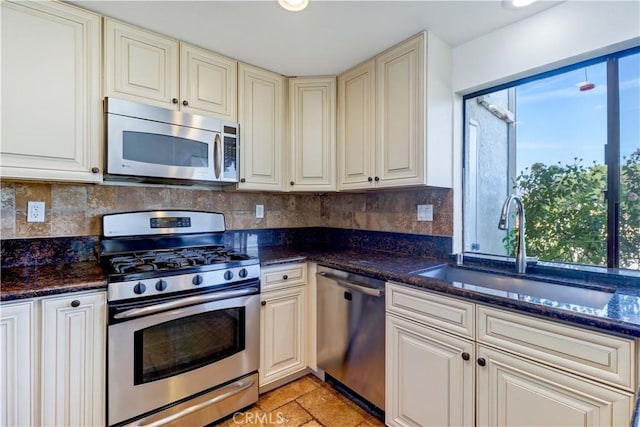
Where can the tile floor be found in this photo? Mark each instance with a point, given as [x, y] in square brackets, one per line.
[306, 402]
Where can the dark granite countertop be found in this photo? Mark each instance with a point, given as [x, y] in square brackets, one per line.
[36, 281]
[620, 316]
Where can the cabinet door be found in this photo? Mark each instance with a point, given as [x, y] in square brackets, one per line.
[208, 83]
[73, 360]
[429, 376]
[17, 373]
[312, 110]
[51, 105]
[261, 113]
[514, 392]
[140, 65]
[401, 110]
[356, 127]
[282, 328]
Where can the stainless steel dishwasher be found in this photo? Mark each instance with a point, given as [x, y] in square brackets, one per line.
[351, 332]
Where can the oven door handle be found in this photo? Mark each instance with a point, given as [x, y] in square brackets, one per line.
[225, 393]
[184, 302]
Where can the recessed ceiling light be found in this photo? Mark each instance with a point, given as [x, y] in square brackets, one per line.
[516, 4]
[295, 5]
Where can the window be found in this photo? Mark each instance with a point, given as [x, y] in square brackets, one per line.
[568, 143]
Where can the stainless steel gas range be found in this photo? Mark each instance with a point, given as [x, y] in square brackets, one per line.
[183, 331]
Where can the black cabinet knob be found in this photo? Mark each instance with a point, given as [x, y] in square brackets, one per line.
[174, 100]
[263, 303]
[377, 178]
[185, 102]
[75, 303]
[482, 361]
[369, 179]
[197, 280]
[161, 285]
[95, 170]
[285, 277]
[139, 288]
[243, 273]
[292, 183]
[243, 180]
[228, 275]
[466, 356]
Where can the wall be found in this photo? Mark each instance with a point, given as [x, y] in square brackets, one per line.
[76, 210]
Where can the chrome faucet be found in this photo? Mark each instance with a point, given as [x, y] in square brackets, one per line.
[503, 224]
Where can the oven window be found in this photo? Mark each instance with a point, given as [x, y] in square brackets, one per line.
[187, 343]
[164, 150]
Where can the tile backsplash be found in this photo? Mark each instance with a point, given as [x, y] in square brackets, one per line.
[76, 209]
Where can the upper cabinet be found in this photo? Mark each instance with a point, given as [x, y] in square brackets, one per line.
[409, 136]
[51, 103]
[312, 122]
[262, 114]
[150, 68]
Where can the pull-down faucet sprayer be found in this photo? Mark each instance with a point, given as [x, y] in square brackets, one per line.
[503, 224]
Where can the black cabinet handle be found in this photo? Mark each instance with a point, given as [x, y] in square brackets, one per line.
[185, 102]
[95, 170]
[263, 303]
[369, 179]
[285, 277]
[292, 183]
[482, 361]
[75, 303]
[377, 178]
[174, 100]
[243, 180]
[465, 356]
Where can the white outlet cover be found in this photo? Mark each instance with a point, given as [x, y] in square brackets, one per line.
[425, 212]
[35, 211]
[259, 211]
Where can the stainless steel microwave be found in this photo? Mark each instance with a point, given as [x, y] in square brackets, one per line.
[146, 143]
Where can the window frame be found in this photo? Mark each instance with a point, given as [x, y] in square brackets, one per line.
[611, 148]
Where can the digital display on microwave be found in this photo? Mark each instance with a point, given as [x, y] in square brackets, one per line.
[171, 222]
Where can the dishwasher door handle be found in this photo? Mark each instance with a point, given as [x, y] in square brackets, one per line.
[367, 290]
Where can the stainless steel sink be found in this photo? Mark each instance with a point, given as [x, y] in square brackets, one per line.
[519, 288]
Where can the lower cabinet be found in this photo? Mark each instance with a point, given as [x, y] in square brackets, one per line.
[282, 326]
[69, 386]
[429, 376]
[441, 376]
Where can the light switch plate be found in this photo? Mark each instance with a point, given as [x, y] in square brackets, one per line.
[425, 212]
[259, 211]
[35, 211]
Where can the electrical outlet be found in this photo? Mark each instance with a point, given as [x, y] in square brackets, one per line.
[259, 211]
[35, 212]
[425, 212]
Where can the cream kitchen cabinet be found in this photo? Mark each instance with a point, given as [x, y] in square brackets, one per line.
[406, 138]
[153, 69]
[528, 371]
[17, 364]
[53, 360]
[429, 372]
[283, 324]
[262, 114]
[51, 102]
[312, 124]
[73, 359]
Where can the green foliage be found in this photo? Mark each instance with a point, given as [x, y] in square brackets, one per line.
[566, 212]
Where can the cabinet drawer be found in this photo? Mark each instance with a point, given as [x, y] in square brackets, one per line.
[441, 312]
[602, 357]
[283, 276]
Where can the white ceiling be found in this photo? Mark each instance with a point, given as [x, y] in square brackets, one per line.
[325, 39]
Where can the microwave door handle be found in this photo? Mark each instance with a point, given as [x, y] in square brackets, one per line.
[217, 156]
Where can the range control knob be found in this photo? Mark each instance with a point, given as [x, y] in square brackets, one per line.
[197, 280]
[161, 285]
[140, 288]
[228, 275]
[243, 273]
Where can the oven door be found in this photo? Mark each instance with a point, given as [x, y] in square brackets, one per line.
[147, 148]
[161, 353]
